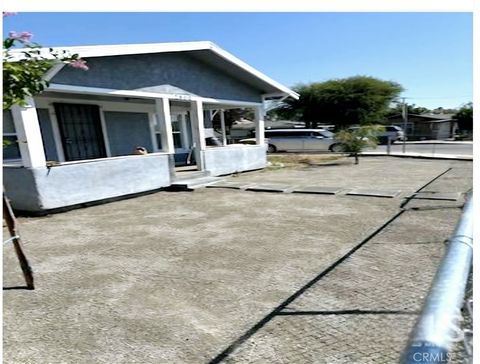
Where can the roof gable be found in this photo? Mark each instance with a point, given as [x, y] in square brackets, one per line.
[204, 50]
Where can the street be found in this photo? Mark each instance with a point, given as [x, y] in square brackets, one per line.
[430, 149]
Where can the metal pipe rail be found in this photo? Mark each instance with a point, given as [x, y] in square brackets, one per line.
[438, 328]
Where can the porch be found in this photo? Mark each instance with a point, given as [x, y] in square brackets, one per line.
[77, 145]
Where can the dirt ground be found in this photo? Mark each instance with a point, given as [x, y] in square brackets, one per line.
[220, 275]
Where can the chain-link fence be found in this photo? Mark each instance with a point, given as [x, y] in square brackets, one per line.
[467, 322]
[446, 318]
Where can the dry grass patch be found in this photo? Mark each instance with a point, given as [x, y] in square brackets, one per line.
[304, 160]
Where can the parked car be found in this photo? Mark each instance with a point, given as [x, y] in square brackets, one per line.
[394, 132]
[299, 140]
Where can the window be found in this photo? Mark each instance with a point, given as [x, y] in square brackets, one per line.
[326, 134]
[176, 130]
[287, 134]
[11, 149]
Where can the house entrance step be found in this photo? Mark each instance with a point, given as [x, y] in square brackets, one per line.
[192, 183]
[185, 176]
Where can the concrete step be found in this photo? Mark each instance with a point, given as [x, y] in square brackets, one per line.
[185, 176]
[193, 183]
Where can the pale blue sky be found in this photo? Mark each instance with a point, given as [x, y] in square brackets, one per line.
[430, 54]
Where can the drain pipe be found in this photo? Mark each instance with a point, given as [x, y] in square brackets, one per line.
[438, 325]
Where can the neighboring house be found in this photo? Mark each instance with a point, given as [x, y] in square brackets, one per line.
[426, 126]
[74, 143]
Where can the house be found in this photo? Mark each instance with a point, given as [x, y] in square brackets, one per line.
[75, 142]
[426, 126]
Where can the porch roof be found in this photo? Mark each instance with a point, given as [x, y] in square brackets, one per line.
[139, 97]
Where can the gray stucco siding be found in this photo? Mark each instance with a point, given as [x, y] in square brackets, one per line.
[163, 73]
[234, 158]
[126, 131]
[21, 188]
[42, 189]
[47, 135]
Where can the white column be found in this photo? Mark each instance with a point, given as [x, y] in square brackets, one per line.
[106, 141]
[162, 111]
[260, 125]
[183, 130]
[222, 125]
[29, 135]
[198, 131]
[56, 133]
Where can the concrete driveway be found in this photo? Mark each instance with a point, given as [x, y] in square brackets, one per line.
[221, 275]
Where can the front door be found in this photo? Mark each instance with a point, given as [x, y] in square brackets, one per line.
[80, 131]
[182, 139]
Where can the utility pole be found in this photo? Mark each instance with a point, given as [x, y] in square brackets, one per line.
[405, 119]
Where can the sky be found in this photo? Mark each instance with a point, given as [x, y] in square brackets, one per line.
[429, 54]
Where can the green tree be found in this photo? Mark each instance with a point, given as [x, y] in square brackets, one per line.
[343, 102]
[24, 69]
[232, 115]
[464, 117]
[411, 109]
[356, 140]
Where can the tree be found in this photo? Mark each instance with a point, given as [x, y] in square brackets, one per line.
[232, 115]
[441, 110]
[343, 102]
[356, 140]
[464, 117]
[24, 69]
[411, 109]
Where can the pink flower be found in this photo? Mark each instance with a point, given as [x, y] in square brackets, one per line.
[79, 63]
[8, 13]
[23, 37]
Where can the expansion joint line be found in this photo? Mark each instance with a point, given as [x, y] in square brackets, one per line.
[278, 310]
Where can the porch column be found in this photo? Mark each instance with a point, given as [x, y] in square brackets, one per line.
[222, 125]
[164, 118]
[162, 111]
[260, 125]
[29, 135]
[184, 133]
[198, 131]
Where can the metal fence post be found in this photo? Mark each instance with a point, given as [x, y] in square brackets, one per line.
[437, 326]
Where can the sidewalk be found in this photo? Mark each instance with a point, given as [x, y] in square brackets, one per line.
[466, 142]
[463, 157]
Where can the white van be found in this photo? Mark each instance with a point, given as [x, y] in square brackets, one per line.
[301, 140]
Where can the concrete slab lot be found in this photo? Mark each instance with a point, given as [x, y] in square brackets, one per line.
[235, 276]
